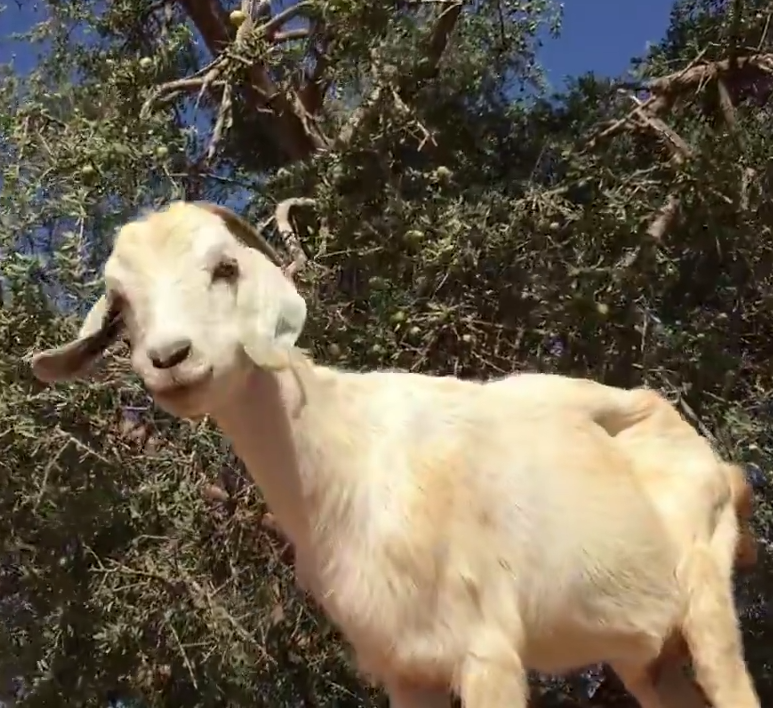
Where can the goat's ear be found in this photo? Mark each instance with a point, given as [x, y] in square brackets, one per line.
[271, 311]
[266, 353]
[99, 330]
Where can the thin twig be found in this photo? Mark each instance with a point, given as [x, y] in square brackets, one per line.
[286, 15]
[223, 122]
[664, 217]
[184, 654]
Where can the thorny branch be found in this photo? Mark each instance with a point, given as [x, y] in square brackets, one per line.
[291, 115]
[386, 81]
[294, 131]
[667, 89]
[664, 92]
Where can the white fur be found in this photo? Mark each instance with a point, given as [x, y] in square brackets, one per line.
[457, 534]
[705, 502]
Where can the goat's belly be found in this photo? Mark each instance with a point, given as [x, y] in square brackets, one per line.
[592, 622]
[399, 627]
[567, 651]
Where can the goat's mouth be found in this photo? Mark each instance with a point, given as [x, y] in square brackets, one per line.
[179, 389]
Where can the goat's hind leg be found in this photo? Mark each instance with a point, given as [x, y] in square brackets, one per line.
[713, 636]
[663, 686]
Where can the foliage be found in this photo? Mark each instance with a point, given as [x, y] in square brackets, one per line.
[463, 222]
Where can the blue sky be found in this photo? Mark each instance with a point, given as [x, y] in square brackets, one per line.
[598, 35]
[603, 36]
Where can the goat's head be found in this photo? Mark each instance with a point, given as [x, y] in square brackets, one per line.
[194, 287]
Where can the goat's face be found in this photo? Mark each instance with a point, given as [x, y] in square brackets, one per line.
[188, 292]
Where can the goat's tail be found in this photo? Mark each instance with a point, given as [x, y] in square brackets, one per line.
[743, 506]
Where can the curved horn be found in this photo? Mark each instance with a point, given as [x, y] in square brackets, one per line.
[246, 233]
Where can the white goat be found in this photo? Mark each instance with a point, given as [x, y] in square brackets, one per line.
[706, 502]
[455, 537]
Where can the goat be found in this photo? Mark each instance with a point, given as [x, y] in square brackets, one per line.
[703, 499]
[453, 543]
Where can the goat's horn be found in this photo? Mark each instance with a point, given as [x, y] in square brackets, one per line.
[246, 233]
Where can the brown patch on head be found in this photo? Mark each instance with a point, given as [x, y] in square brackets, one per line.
[248, 235]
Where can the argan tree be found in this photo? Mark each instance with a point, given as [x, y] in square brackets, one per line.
[438, 211]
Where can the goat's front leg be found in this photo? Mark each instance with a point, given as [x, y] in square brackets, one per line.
[406, 695]
[493, 675]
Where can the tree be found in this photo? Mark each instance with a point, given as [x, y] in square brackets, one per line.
[441, 214]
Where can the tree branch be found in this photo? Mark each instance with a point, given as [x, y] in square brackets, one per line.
[300, 8]
[664, 217]
[672, 86]
[312, 91]
[402, 89]
[441, 34]
[292, 130]
[290, 35]
[446, 22]
[664, 91]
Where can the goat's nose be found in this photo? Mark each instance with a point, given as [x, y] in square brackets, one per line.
[170, 354]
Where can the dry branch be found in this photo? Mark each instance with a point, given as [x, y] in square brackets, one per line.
[664, 217]
[400, 89]
[202, 81]
[296, 136]
[290, 115]
[679, 147]
[285, 16]
[700, 73]
[664, 91]
[667, 89]
[290, 35]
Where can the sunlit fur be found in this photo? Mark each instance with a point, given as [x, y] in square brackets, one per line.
[705, 501]
[455, 533]
[691, 485]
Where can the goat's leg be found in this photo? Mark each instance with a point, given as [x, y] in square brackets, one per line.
[662, 686]
[493, 676]
[406, 695]
[713, 636]
[637, 682]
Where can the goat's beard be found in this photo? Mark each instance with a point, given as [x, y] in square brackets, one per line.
[188, 402]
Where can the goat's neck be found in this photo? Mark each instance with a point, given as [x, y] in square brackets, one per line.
[284, 444]
[257, 422]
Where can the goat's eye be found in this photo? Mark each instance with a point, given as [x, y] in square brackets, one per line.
[226, 270]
